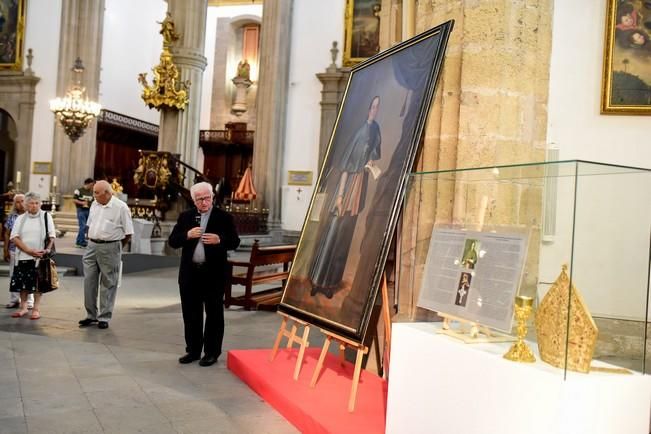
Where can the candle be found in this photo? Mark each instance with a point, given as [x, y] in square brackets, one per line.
[54, 181]
[17, 176]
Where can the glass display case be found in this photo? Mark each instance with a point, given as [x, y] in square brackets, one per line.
[572, 238]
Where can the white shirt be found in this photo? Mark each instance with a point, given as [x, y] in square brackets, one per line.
[31, 234]
[109, 222]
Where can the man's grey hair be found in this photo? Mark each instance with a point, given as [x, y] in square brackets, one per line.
[32, 195]
[13, 208]
[104, 184]
[200, 186]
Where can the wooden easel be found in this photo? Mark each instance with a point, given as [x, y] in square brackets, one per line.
[292, 339]
[357, 346]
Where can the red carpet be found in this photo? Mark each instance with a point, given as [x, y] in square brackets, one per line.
[323, 409]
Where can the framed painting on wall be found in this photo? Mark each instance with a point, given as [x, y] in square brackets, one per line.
[362, 30]
[626, 83]
[42, 167]
[12, 33]
[347, 232]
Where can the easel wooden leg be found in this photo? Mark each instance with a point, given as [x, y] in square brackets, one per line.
[319, 364]
[301, 352]
[291, 340]
[356, 374]
[279, 337]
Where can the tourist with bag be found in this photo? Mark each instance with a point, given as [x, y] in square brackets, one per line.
[33, 234]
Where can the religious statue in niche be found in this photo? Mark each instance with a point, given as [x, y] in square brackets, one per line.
[244, 70]
[242, 83]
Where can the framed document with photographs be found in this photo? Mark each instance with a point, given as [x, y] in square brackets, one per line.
[474, 275]
[626, 83]
[347, 233]
[12, 33]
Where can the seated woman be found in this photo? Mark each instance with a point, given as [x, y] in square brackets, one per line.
[33, 237]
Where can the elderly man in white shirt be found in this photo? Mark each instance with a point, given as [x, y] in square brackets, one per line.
[109, 229]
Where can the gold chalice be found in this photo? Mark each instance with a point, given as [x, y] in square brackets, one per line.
[520, 351]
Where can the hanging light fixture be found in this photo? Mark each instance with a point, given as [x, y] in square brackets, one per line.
[75, 111]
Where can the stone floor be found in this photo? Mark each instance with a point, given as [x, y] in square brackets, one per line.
[58, 378]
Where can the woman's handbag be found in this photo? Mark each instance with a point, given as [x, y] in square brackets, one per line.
[47, 278]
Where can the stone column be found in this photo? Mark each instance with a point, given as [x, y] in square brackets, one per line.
[18, 98]
[490, 109]
[82, 25]
[330, 98]
[268, 150]
[179, 131]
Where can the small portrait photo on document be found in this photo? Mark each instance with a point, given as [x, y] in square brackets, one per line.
[470, 254]
[463, 288]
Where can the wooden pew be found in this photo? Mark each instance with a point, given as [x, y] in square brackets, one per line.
[260, 256]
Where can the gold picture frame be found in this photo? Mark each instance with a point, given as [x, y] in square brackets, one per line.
[42, 167]
[299, 177]
[626, 82]
[361, 30]
[12, 34]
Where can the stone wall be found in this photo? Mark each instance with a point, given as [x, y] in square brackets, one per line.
[489, 109]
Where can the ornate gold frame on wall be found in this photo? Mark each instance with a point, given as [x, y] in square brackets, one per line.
[349, 22]
[19, 39]
[42, 167]
[607, 107]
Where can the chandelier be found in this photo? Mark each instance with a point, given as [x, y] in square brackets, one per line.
[75, 111]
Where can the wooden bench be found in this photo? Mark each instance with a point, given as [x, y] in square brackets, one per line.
[260, 256]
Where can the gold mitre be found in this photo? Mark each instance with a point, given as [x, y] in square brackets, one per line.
[552, 326]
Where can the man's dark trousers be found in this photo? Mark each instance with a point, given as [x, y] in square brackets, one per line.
[203, 290]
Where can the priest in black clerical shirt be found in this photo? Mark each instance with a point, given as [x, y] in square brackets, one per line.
[204, 233]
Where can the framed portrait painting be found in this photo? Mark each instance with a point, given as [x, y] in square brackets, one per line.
[362, 30]
[626, 84]
[347, 232]
[12, 33]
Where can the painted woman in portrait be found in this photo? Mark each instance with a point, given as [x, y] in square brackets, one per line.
[357, 163]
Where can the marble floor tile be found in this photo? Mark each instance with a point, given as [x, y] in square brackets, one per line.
[70, 422]
[13, 425]
[130, 419]
[11, 407]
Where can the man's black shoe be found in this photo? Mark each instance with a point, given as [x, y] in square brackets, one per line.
[14, 305]
[86, 322]
[188, 358]
[207, 361]
[102, 325]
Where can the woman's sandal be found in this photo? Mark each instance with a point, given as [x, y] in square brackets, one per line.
[19, 314]
[35, 314]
